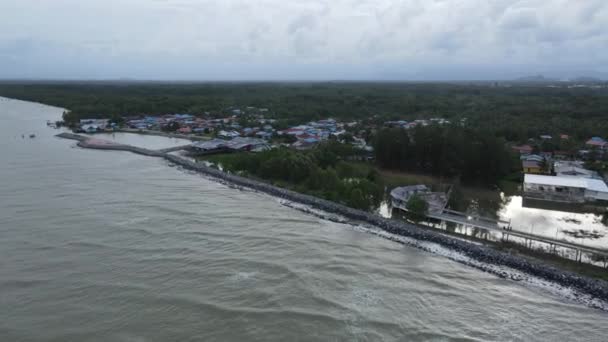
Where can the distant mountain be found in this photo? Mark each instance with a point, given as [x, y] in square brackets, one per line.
[585, 79]
[535, 78]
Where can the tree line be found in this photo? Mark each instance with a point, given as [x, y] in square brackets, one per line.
[516, 112]
[321, 172]
[445, 151]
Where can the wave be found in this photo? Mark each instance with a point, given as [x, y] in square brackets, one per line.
[504, 272]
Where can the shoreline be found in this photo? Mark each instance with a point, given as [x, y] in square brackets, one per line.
[482, 253]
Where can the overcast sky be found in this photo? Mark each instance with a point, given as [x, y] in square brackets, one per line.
[299, 39]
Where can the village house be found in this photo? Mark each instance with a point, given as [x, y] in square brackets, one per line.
[523, 149]
[238, 144]
[597, 143]
[531, 166]
[228, 134]
[536, 164]
[264, 135]
[573, 169]
[564, 188]
[93, 125]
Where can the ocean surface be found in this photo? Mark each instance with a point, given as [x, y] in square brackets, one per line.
[112, 246]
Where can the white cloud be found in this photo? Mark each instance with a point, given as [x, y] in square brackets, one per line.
[329, 38]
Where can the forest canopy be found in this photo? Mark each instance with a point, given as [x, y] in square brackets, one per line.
[514, 112]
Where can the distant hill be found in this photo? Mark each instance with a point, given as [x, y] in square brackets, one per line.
[535, 78]
[585, 79]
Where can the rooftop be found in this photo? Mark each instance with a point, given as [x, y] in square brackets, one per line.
[556, 181]
[405, 191]
[571, 182]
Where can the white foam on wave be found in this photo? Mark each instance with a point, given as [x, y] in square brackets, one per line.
[505, 272]
[242, 276]
[522, 278]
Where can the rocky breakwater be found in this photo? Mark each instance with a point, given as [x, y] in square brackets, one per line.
[475, 252]
[100, 144]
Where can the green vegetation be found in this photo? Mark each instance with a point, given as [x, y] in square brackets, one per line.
[321, 172]
[417, 208]
[471, 150]
[514, 113]
[445, 151]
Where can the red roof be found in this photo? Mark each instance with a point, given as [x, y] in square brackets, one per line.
[305, 136]
[598, 143]
[523, 148]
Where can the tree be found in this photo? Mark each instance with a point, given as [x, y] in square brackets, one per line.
[347, 138]
[357, 199]
[417, 208]
[545, 166]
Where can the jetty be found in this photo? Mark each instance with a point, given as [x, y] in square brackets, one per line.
[474, 252]
[503, 228]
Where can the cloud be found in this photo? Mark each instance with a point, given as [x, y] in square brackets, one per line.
[519, 18]
[297, 39]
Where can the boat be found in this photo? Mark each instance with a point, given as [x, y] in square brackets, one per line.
[32, 135]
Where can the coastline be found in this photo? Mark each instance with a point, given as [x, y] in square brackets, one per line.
[481, 253]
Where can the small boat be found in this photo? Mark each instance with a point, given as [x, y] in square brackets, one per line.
[32, 135]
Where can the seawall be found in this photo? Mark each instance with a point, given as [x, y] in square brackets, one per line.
[593, 287]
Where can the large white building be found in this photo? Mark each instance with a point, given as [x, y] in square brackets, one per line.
[565, 188]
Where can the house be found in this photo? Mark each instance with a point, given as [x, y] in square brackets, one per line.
[531, 166]
[546, 137]
[185, 130]
[90, 128]
[597, 142]
[234, 145]
[573, 169]
[398, 123]
[264, 135]
[210, 146]
[93, 125]
[183, 117]
[564, 189]
[564, 136]
[534, 157]
[228, 134]
[247, 144]
[523, 149]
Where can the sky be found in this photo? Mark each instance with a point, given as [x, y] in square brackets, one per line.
[302, 39]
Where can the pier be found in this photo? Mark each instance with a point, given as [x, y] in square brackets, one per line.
[506, 231]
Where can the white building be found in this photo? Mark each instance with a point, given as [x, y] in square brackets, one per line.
[573, 169]
[565, 188]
